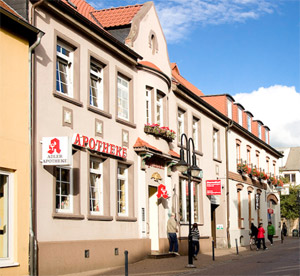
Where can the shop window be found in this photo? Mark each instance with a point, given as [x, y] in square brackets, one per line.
[64, 190]
[184, 201]
[6, 218]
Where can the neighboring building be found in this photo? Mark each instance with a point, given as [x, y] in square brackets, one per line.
[17, 38]
[252, 197]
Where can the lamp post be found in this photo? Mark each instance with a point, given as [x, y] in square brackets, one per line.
[189, 165]
[298, 201]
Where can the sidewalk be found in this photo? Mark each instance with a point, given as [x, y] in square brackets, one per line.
[177, 265]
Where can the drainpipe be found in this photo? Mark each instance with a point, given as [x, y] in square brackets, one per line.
[230, 124]
[32, 240]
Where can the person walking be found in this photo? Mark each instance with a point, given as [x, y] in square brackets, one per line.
[261, 237]
[195, 240]
[172, 236]
[271, 232]
[254, 231]
[284, 229]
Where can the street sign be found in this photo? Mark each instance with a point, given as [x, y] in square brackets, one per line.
[213, 187]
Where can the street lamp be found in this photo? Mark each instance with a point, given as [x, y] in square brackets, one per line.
[298, 201]
[189, 166]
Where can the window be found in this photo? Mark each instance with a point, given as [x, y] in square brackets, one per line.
[96, 186]
[229, 109]
[290, 177]
[238, 152]
[148, 106]
[6, 218]
[268, 165]
[184, 201]
[259, 131]
[122, 191]
[216, 145]
[248, 156]
[249, 123]
[96, 84]
[64, 190]
[159, 109]
[240, 116]
[180, 122]
[257, 159]
[196, 133]
[123, 98]
[64, 69]
[267, 136]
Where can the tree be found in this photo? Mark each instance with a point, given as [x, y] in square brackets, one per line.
[289, 206]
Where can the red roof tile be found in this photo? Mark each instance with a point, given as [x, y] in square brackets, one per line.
[150, 64]
[141, 143]
[116, 16]
[9, 9]
[176, 75]
[84, 9]
[174, 153]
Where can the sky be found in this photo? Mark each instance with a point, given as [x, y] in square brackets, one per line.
[249, 49]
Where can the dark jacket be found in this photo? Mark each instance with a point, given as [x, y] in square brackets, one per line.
[254, 230]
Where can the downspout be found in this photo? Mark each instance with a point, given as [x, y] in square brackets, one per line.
[32, 239]
[230, 124]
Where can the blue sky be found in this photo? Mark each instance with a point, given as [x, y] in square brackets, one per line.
[247, 48]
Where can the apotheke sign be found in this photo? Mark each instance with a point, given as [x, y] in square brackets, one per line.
[56, 151]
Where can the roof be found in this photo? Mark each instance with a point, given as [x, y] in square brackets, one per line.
[116, 17]
[181, 80]
[9, 9]
[150, 64]
[83, 8]
[293, 160]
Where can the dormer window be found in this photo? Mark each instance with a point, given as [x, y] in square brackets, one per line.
[249, 122]
[229, 109]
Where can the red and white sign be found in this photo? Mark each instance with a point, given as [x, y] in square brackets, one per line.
[162, 191]
[100, 146]
[213, 187]
[270, 211]
[56, 151]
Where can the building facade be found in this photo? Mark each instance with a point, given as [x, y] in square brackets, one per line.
[17, 39]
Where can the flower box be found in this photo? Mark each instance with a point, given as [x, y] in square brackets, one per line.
[162, 132]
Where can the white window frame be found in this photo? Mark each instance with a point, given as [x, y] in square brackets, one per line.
[259, 130]
[70, 209]
[267, 136]
[229, 108]
[148, 106]
[180, 126]
[249, 123]
[123, 97]
[159, 108]
[125, 179]
[9, 260]
[96, 74]
[68, 62]
[238, 152]
[99, 186]
[196, 133]
[215, 143]
[184, 198]
[240, 116]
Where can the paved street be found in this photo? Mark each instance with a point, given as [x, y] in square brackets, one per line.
[282, 259]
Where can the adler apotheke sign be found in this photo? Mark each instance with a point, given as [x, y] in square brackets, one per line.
[57, 150]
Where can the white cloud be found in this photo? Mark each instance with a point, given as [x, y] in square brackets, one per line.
[278, 107]
[178, 16]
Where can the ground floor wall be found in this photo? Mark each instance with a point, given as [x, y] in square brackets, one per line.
[57, 258]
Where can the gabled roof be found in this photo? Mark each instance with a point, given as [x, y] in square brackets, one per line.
[142, 144]
[9, 9]
[181, 80]
[116, 17]
[293, 160]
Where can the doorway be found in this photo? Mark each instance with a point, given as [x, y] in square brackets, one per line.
[153, 218]
[213, 223]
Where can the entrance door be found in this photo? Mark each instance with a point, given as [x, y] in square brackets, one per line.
[153, 218]
[213, 223]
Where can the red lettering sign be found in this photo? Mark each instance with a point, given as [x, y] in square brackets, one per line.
[213, 187]
[54, 146]
[96, 145]
[162, 191]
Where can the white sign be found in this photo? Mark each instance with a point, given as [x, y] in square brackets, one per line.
[56, 151]
[285, 191]
[220, 226]
[214, 199]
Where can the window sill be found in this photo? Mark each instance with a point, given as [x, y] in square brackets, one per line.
[67, 216]
[103, 218]
[199, 152]
[121, 121]
[67, 99]
[129, 219]
[217, 160]
[8, 264]
[99, 111]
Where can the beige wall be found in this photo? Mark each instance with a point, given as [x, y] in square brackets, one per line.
[14, 135]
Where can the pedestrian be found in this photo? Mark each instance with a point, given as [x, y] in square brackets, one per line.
[284, 229]
[261, 237]
[271, 232]
[172, 236]
[195, 240]
[253, 232]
